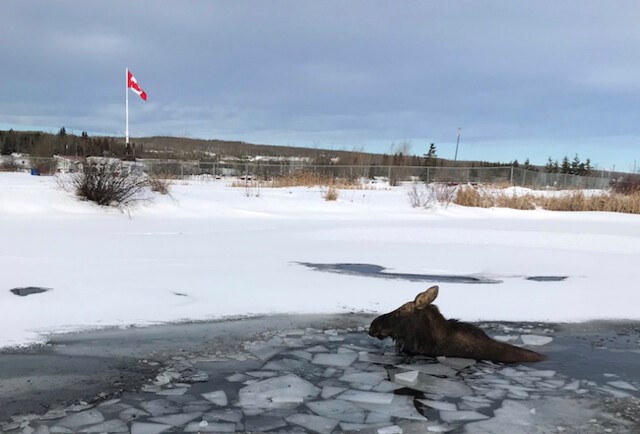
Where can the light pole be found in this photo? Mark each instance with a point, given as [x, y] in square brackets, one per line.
[455, 158]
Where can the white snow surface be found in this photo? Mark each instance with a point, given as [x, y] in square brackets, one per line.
[228, 255]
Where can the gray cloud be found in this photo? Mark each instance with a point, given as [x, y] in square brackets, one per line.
[512, 74]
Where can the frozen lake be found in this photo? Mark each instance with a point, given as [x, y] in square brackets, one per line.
[324, 374]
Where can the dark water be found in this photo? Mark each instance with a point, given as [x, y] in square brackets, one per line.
[23, 292]
[371, 270]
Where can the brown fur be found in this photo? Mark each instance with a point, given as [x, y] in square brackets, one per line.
[418, 327]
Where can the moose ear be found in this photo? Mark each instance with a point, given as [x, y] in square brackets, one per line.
[425, 298]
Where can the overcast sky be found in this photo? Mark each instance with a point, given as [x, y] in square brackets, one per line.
[521, 78]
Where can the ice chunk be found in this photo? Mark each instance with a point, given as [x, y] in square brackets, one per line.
[573, 386]
[194, 406]
[430, 384]
[615, 392]
[381, 359]
[260, 394]
[176, 419]
[210, 427]
[110, 426]
[217, 397]
[87, 417]
[263, 423]
[338, 409]
[535, 340]
[264, 351]
[263, 374]
[547, 373]
[148, 428]
[439, 405]
[430, 369]
[318, 349]
[378, 418]
[173, 392]
[42, 429]
[329, 391]
[286, 399]
[458, 363]
[132, 413]
[59, 430]
[304, 355]
[237, 378]
[387, 386]
[226, 415]
[454, 416]
[290, 365]
[370, 378]
[440, 428]
[393, 429]
[54, 414]
[622, 385]
[496, 394]
[159, 407]
[340, 360]
[367, 397]
[505, 338]
[407, 376]
[401, 406]
[313, 423]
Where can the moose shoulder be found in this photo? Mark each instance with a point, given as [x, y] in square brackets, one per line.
[418, 327]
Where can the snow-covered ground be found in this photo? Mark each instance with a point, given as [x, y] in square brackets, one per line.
[210, 252]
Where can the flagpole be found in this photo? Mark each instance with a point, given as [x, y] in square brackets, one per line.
[126, 105]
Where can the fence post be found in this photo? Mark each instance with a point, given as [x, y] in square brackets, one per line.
[511, 181]
[182, 170]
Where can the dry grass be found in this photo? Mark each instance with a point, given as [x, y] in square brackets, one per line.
[159, 184]
[574, 201]
[330, 193]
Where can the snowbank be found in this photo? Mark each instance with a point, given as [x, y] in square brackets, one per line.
[209, 252]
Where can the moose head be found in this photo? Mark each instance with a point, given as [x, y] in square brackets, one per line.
[418, 327]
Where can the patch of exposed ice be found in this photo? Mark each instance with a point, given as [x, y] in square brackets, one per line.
[148, 428]
[429, 384]
[393, 429]
[622, 385]
[439, 405]
[401, 406]
[314, 423]
[407, 377]
[329, 391]
[340, 360]
[263, 351]
[458, 363]
[176, 419]
[370, 378]
[110, 426]
[159, 407]
[338, 409]
[199, 427]
[218, 397]
[226, 415]
[87, 417]
[173, 392]
[263, 423]
[430, 369]
[367, 397]
[387, 386]
[260, 394]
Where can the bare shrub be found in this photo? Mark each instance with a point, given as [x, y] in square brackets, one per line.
[444, 193]
[159, 184]
[420, 197]
[251, 188]
[109, 184]
[9, 165]
[330, 193]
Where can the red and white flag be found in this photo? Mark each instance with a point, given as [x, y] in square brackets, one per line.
[132, 84]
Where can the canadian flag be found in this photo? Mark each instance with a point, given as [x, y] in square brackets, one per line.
[132, 84]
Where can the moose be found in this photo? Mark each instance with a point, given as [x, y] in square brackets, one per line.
[418, 327]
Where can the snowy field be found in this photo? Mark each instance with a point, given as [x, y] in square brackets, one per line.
[210, 252]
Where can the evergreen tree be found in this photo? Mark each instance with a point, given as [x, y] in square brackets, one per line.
[527, 165]
[10, 143]
[575, 165]
[556, 167]
[565, 167]
[549, 168]
[587, 167]
[515, 164]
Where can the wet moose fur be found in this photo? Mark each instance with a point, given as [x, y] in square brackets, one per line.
[418, 327]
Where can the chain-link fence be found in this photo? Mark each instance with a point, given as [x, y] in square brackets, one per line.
[503, 175]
